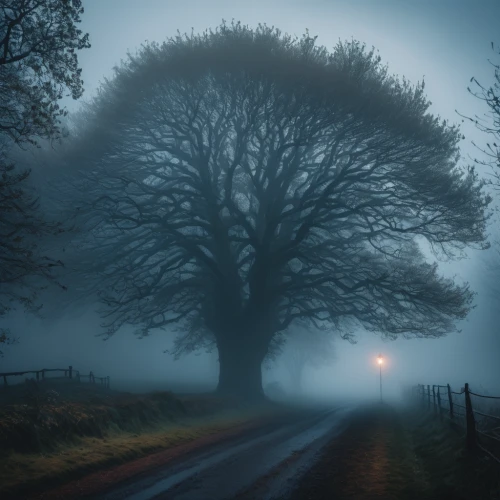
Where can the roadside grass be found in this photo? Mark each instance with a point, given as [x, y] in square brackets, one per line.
[388, 468]
[45, 444]
[453, 473]
[370, 460]
[391, 454]
[45, 425]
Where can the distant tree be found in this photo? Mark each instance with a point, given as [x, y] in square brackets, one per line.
[38, 61]
[238, 181]
[306, 348]
[24, 270]
[5, 339]
[489, 123]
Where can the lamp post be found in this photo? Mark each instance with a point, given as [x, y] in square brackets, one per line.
[380, 361]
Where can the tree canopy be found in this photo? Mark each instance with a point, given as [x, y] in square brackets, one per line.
[39, 40]
[241, 180]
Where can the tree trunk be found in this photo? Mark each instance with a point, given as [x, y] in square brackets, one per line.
[296, 378]
[240, 367]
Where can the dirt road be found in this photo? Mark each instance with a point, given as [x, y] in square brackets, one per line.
[349, 452]
[265, 464]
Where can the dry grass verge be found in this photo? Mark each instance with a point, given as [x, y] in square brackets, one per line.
[52, 440]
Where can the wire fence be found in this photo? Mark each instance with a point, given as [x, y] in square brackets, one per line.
[69, 373]
[476, 415]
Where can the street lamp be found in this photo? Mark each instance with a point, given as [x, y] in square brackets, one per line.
[380, 361]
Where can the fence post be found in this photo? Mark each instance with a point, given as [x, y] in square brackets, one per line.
[471, 423]
[5, 380]
[450, 400]
[70, 371]
[434, 398]
[440, 410]
[428, 397]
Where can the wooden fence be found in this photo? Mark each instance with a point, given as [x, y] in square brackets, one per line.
[69, 373]
[481, 425]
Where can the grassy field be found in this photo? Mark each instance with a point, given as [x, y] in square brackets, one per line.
[53, 433]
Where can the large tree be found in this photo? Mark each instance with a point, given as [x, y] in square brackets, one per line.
[238, 181]
[38, 63]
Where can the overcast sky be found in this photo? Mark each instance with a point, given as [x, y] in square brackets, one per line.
[445, 41]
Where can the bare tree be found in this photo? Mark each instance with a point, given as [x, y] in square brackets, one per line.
[238, 181]
[489, 122]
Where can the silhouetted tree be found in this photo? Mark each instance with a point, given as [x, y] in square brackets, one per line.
[489, 123]
[306, 347]
[38, 61]
[24, 270]
[240, 180]
[5, 340]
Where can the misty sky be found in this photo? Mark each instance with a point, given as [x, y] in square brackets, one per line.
[445, 41]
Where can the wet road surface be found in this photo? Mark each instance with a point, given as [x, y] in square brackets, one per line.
[264, 465]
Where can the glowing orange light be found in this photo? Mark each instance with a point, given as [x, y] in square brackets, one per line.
[380, 360]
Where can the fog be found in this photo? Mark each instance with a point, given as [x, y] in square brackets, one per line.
[446, 43]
